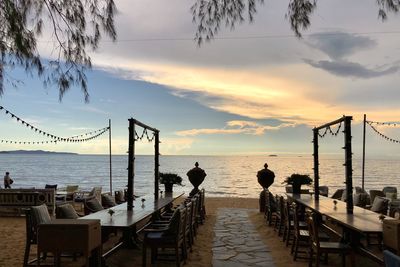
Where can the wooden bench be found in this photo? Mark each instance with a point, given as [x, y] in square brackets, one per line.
[13, 202]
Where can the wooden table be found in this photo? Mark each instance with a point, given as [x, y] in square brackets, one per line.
[123, 218]
[126, 220]
[361, 222]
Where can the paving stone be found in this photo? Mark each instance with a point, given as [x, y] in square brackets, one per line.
[236, 241]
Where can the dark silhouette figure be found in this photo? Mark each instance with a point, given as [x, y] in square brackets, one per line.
[7, 180]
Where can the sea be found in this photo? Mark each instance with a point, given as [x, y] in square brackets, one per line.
[227, 176]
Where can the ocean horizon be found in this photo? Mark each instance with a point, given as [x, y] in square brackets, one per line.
[227, 176]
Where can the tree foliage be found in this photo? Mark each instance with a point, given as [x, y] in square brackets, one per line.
[75, 26]
[210, 15]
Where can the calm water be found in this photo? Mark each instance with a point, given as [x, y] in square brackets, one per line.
[233, 176]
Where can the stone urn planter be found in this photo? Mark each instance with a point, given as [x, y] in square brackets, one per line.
[196, 177]
[265, 177]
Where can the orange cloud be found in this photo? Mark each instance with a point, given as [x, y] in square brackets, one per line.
[235, 127]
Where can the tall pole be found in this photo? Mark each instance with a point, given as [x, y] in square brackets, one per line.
[348, 164]
[316, 164]
[156, 162]
[109, 145]
[363, 157]
[131, 159]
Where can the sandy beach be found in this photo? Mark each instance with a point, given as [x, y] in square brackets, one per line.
[12, 236]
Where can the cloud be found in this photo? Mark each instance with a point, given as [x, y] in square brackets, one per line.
[350, 69]
[173, 145]
[340, 45]
[235, 127]
[92, 109]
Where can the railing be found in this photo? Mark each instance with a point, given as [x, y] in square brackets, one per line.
[14, 201]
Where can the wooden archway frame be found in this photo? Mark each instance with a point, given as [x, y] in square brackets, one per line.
[348, 160]
[131, 159]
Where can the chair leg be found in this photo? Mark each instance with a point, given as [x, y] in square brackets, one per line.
[343, 259]
[296, 248]
[311, 257]
[178, 260]
[280, 227]
[284, 233]
[288, 236]
[294, 241]
[144, 255]
[352, 259]
[26, 255]
[317, 258]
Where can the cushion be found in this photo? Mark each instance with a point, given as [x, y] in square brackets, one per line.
[389, 189]
[338, 194]
[66, 211]
[93, 205]
[40, 214]
[380, 205]
[360, 199]
[391, 195]
[391, 259]
[107, 201]
[50, 186]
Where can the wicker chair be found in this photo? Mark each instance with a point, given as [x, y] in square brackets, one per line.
[34, 216]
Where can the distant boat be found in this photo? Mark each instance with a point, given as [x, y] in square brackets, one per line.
[272, 155]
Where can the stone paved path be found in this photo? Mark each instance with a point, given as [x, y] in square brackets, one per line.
[237, 242]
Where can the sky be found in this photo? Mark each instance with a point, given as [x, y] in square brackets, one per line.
[254, 90]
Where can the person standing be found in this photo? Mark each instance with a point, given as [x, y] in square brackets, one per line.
[7, 180]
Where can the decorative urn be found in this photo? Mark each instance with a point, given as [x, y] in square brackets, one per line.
[196, 177]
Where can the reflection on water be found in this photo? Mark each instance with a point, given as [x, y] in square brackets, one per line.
[226, 175]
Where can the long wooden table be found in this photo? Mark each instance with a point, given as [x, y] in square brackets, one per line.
[126, 220]
[123, 218]
[360, 222]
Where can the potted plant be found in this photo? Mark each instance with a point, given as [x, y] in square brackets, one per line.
[169, 179]
[296, 180]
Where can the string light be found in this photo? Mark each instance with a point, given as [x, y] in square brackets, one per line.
[370, 123]
[328, 129]
[144, 133]
[75, 139]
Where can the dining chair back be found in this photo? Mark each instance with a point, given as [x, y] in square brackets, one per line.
[375, 193]
[35, 216]
[188, 225]
[288, 222]
[173, 236]
[322, 247]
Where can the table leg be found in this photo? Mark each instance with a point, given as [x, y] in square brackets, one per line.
[130, 238]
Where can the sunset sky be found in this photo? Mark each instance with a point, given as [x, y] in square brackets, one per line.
[256, 89]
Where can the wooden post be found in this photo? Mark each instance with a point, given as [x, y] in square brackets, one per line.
[109, 145]
[131, 159]
[363, 157]
[316, 164]
[156, 163]
[348, 164]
